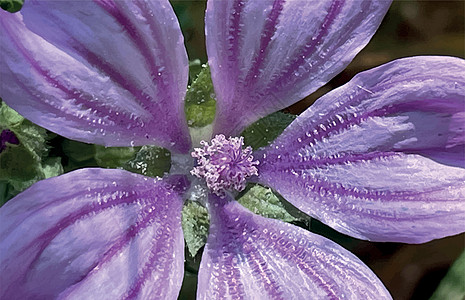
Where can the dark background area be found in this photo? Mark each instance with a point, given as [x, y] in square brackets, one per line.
[410, 28]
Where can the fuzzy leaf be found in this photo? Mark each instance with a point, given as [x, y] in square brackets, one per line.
[9, 117]
[262, 201]
[265, 130]
[195, 67]
[52, 167]
[78, 151]
[31, 136]
[200, 105]
[150, 161]
[114, 157]
[195, 224]
[26, 163]
[19, 170]
[17, 163]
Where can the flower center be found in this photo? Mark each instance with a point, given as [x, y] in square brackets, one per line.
[224, 164]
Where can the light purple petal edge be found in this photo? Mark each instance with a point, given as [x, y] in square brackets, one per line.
[251, 257]
[267, 55]
[104, 72]
[93, 233]
[381, 157]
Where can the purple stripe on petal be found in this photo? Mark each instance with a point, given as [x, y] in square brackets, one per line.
[154, 264]
[283, 162]
[90, 210]
[136, 36]
[283, 51]
[81, 98]
[93, 233]
[269, 29]
[121, 80]
[111, 73]
[235, 30]
[298, 58]
[382, 157]
[251, 257]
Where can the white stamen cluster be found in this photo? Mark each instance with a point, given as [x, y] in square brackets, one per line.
[224, 164]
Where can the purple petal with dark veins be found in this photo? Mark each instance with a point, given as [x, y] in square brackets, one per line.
[251, 257]
[266, 55]
[104, 72]
[368, 158]
[93, 234]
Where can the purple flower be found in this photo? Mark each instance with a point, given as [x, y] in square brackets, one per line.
[380, 158]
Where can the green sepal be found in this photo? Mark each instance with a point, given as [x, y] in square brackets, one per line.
[195, 67]
[114, 157]
[150, 161]
[78, 155]
[267, 129]
[78, 151]
[452, 286]
[262, 201]
[11, 5]
[195, 225]
[200, 104]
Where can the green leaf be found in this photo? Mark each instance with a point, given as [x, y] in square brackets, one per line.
[17, 163]
[19, 169]
[264, 202]
[11, 5]
[26, 163]
[9, 117]
[52, 167]
[114, 157]
[150, 161]
[6, 192]
[195, 225]
[78, 151]
[200, 104]
[195, 67]
[452, 286]
[267, 129]
[31, 136]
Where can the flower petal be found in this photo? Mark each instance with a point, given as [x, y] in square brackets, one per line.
[367, 159]
[92, 233]
[108, 72]
[267, 55]
[251, 257]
